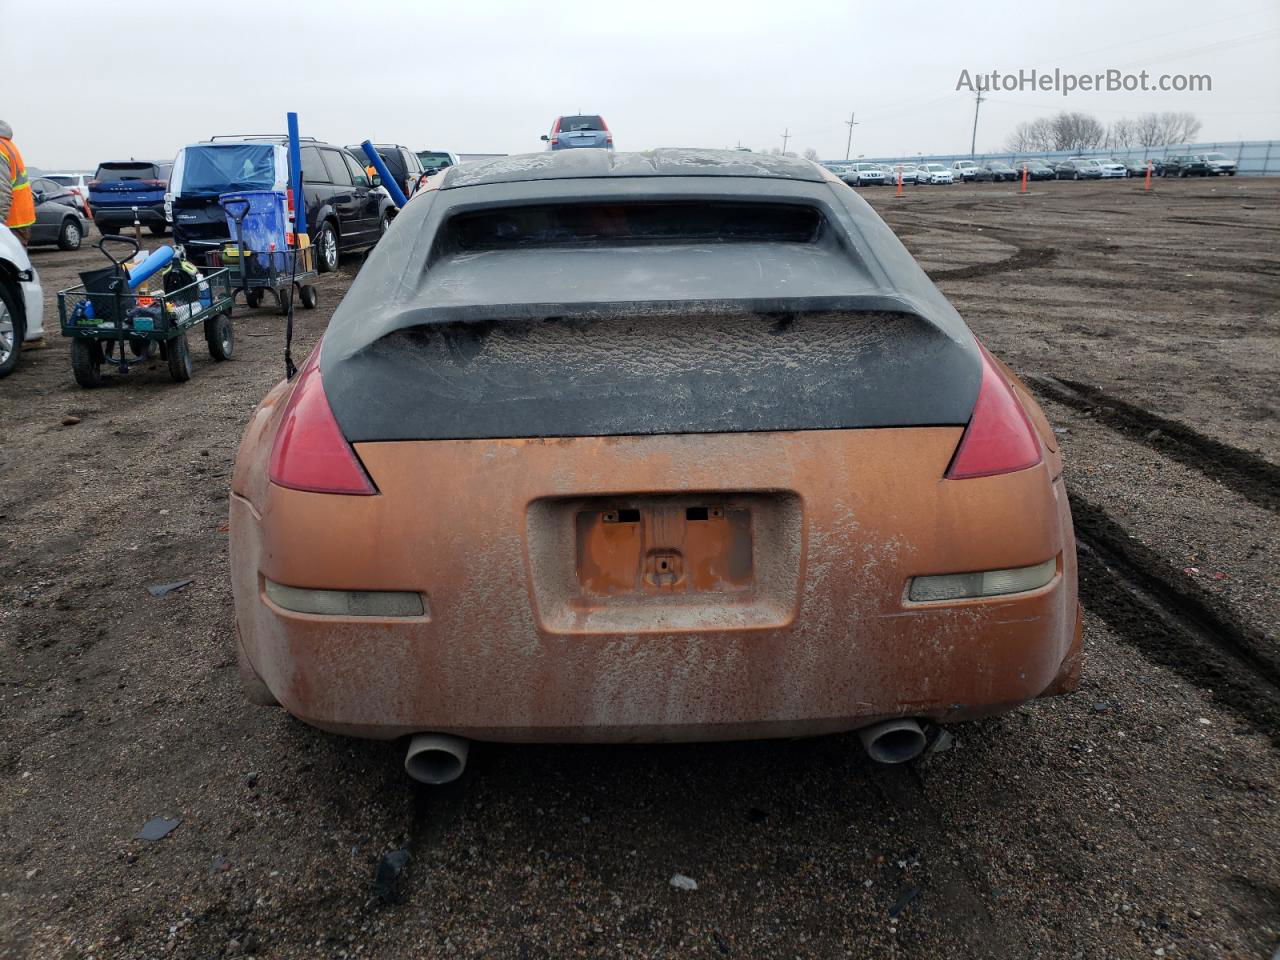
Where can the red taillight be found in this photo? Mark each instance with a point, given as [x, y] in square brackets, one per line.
[155, 184]
[93, 183]
[999, 437]
[310, 453]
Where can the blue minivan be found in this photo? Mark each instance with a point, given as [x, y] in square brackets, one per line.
[579, 130]
[118, 188]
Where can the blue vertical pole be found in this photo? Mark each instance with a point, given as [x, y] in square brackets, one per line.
[295, 177]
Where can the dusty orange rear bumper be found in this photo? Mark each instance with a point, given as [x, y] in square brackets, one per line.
[512, 649]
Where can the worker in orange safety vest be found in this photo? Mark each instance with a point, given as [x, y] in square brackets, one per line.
[17, 207]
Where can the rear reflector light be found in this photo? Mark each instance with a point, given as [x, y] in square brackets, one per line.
[989, 583]
[346, 603]
[999, 437]
[93, 183]
[310, 452]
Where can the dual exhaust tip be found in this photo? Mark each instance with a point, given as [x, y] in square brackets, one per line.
[437, 758]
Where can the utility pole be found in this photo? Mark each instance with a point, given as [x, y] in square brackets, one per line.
[849, 145]
[786, 135]
[973, 144]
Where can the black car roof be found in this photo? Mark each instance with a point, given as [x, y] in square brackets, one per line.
[667, 162]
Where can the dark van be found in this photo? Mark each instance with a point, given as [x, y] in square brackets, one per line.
[346, 211]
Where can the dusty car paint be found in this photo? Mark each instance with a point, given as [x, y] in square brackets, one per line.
[522, 644]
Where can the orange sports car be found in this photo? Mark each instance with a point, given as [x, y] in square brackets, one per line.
[678, 445]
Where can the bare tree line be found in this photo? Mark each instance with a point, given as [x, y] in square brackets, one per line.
[1071, 130]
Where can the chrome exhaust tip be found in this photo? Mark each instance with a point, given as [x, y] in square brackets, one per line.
[436, 758]
[893, 741]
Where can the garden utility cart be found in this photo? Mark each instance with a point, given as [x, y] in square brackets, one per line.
[109, 321]
[283, 270]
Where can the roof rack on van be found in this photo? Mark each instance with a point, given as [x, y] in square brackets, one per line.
[256, 136]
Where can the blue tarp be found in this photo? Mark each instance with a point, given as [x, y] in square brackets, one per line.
[218, 169]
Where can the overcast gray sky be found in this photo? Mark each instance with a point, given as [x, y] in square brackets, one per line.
[491, 77]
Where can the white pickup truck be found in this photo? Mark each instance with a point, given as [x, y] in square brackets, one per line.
[21, 301]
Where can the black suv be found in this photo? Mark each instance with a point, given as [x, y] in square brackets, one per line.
[346, 210]
[1186, 166]
[401, 161]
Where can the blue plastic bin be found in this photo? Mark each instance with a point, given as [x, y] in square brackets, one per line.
[264, 226]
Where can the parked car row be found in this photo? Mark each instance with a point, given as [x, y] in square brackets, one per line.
[1199, 165]
[864, 173]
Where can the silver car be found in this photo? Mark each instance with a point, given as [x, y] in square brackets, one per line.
[58, 219]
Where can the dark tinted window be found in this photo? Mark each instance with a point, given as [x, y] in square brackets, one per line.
[391, 157]
[337, 167]
[129, 171]
[313, 168]
[633, 223]
[586, 121]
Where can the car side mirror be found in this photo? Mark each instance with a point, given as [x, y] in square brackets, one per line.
[545, 137]
[375, 181]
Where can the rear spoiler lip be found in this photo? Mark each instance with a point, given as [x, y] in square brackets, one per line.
[373, 396]
[411, 316]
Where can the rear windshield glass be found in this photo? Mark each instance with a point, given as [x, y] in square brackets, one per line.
[220, 169]
[582, 122]
[433, 160]
[63, 179]
[637, 223]
[128, 171]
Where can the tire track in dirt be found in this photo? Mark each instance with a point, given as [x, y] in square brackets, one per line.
[1247, 474]
[1172, 621]
[1023, 257]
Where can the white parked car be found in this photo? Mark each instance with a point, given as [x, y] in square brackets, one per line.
[934, 173]
[907, 170]
[964, 170]
[1110, 168]
[21, 301]
[864, 174]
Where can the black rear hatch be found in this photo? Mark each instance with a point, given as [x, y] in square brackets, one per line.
[617, 315]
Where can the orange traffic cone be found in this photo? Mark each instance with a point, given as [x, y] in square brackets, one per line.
[1024, 179]
[899, 192]
[1147, 184]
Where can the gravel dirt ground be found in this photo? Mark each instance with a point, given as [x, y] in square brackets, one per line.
[1139, 817]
